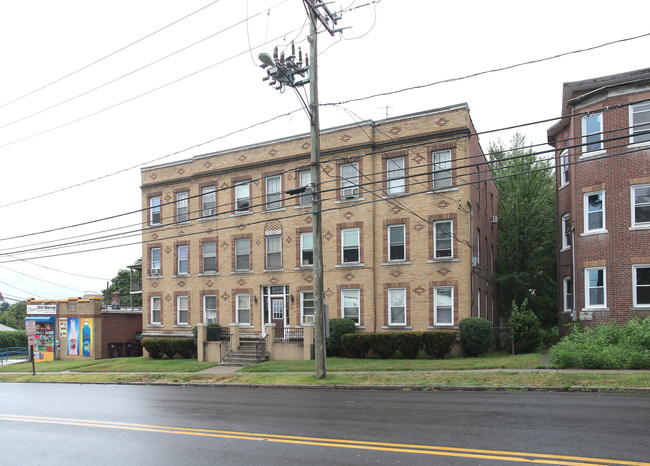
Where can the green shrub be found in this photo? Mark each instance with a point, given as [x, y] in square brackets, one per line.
[184, 347]
[408, 343]
[637, 333]
[338, 328]
[154, 347]
[355, 344]
[550, 337]
[168, 347]
[525, 329]
[475, 336]
[438, 344]
[13, 338]
[382, 344]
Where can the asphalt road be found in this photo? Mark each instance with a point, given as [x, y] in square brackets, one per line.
[121, 424]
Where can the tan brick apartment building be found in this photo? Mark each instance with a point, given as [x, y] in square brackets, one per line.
[603, 198]
[408, 205]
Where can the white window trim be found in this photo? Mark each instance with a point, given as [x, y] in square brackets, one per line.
[179, 309]
[151, 319]
[204, 257]
[205, 308]
[210, 211]
[564, 168]
[302, 305]
[390, 307]
[179, 201]
[237, 254]
[306, 198]
[153, 208]
[450, 170]
[588, 305]
[399, 188]
[566, 240]
[631, 125]
[347, 183]
[238, 197]
[237, 308]
[266, 241]
[273, 193]
[358, 244]
[585, 209]
[403, 226]
[601, 149]
[302, 248]
[635, 304]
[451, 239]
[178, 259]
[435, 307]
[151, 260]
[566, 284]
[358, 293]
[635, 225]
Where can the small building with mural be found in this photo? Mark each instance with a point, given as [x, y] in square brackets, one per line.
[82, 328]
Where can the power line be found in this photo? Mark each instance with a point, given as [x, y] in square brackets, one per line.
[108, 56]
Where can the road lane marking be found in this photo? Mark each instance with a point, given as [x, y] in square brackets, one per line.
[334, 443]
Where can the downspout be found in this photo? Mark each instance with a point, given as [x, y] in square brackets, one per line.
[574, 311]
[471, 259]
[374, 241]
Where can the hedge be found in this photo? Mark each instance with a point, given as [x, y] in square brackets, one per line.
[409, 344]
[438, 344]
[338, 328]
[159, 347]
[475, 336]
[356, 344]
[383, 345]
[13, 338]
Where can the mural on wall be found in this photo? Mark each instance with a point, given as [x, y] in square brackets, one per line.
[80, 333]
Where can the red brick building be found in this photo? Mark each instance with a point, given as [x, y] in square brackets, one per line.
[602, 165]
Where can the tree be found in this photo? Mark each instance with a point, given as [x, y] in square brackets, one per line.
[122, 284]
[527, 259]
[14, 317]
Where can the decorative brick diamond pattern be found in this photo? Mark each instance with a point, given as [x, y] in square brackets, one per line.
[442, 122]
[329, 293]
[419, 290]
[305, 146]
[241, 282]
[224, 245]
[349, 276]
[307, 220]
[345, 138]
[442, 204]
[241, 227]
[348, 215]
[207, 164]
[181, 171]
[154, 236]
[396, 209]
[153, 176]
[273, 280]
[224, 185]
[181, 283]
[328, 169]
[289, 240]
[419, 227]
[242, 158]
[418, 158]
[308, 278]
[328, 236]
[258, 242]
[209, 283]
[395, 130]
[273, 152]
[154, 285]
[181, 233]
[168, 249]
[168, 197]
[168, 298]
[396, 273]
[225, 296]
[443, 271]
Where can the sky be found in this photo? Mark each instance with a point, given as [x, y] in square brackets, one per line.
[92, 91]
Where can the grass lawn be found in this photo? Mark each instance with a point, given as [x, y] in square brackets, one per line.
[139, 364]
[500, 360]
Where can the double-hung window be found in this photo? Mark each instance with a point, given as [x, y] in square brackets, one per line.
[595, 287]
[242, 197]
[594, 209]
[640, 196]
[273, 192]
[397, 306]
[566, 231]
[640, 122]
[442, 169]
[243, 308]
[155, 262]
[154, 210]
[350, 300]
[564, 168]
[307, 197]
[443, 305]
[156, 303]
[209, 201]
[182, 257]
[306, 248]
[395, 175]
[307, 306]
[592, 132]
[567, 294]
[396, 243]
[242, 254]
[182, 310]
[182, 207]
[350, 180]
[209, 256]
[350, 245]
[210, 309]
[641, 285]
[442, 239]
[274, 251]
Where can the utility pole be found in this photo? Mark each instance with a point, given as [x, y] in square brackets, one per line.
[281, 72]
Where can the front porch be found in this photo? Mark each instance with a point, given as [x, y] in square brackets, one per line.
[278, 344]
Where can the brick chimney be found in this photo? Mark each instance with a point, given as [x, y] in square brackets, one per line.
[116, 299]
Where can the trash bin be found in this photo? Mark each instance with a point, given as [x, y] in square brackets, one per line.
[113, 351]
[129, 349]
[137, 348]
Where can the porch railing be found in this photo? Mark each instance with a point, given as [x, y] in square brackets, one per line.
[289, 335]
[260, 349]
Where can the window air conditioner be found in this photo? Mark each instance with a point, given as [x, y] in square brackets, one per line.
[350, 193]
[155, 272]
[309, 319]
[495, 219]
[474, 261]
[209, 212]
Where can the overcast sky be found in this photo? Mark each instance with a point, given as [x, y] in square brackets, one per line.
[143, 97]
